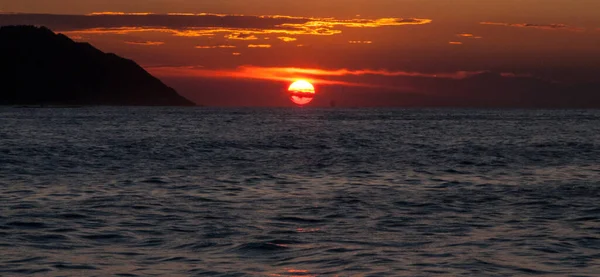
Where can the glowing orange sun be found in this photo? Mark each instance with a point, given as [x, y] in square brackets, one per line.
[301, 92]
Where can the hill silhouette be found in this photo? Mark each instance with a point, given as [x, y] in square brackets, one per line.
[41, 67]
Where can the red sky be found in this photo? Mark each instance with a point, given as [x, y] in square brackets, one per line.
[510, 53]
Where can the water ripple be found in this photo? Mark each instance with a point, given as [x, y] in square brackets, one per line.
[307, 192]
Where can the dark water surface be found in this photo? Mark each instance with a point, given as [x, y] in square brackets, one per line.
[299, 192]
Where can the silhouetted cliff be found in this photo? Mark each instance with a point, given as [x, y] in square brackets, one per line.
[40, 67]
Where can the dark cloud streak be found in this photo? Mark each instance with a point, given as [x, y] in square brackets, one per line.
[81, 22]
[550, 27]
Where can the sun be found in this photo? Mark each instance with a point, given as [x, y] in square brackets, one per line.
[301, 92]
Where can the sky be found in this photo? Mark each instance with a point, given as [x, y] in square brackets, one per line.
[357, 53]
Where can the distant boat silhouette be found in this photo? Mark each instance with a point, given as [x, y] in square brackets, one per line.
[45, 69]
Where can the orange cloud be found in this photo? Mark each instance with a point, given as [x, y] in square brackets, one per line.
[129, 30]
[327, 26]
[145, 43]
[467, 35]
[234, 34]
[259, 46]
[214, 46]
[348, 72]
[361, 23]
[204, 14]
[287, 39]
[236, 53]
[150, 13]
[455, 42]
[118, 13]
[245, 72]
[241, 36]
[537, 26]
[290, 74]
[360, 42]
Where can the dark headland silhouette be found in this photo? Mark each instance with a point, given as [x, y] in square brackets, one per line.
[39, 67]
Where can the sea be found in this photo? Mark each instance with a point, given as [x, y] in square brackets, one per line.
[124, 191]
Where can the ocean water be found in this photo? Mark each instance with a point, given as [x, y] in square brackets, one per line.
[299, 192]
